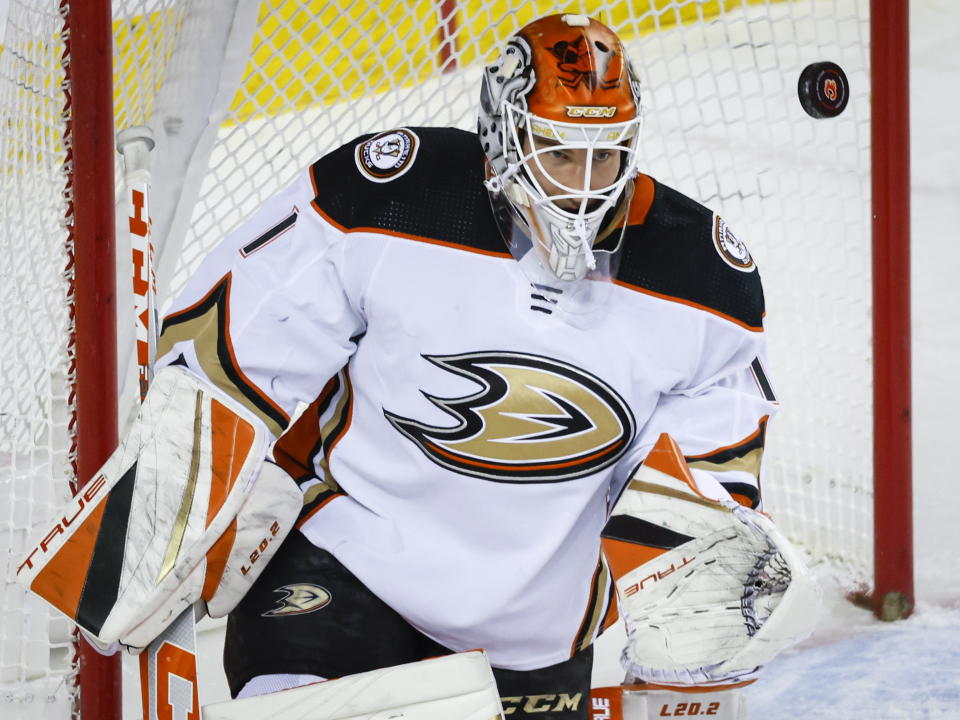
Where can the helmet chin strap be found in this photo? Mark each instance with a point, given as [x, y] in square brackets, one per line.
[580, 227]
[580, 235]
[498, 183]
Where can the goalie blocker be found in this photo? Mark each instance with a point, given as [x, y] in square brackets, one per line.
[709, 590]
[185, 510]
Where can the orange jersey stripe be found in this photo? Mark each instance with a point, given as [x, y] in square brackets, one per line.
[406, 236]
[549, 466]
[303, 520]
[689, 303]
[761, 427]
[641, 201]
[297, 447]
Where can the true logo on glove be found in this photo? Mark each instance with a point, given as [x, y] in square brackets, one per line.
[658, 575]
[89, 492]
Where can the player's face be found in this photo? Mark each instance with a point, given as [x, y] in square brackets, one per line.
[561, 166]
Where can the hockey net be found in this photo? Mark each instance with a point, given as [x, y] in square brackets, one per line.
[241, 95]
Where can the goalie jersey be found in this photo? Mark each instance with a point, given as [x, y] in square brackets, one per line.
[459, 430]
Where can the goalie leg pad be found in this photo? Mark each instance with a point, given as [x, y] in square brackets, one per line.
[459, 686]
[646, 702]
[167, 519]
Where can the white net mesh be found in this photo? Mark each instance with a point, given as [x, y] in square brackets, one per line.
[35, 332]
[242, 95]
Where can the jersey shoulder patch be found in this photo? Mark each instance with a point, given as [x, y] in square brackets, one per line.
[387, 155]
[420, 183]
[733, 251]
[682, 250]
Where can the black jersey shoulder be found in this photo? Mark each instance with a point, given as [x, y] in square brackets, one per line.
[673, 252]
[440, 197]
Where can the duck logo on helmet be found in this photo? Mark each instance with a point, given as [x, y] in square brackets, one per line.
[573, 61]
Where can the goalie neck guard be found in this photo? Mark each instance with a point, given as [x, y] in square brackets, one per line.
[559, 123]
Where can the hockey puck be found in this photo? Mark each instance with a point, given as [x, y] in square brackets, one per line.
[823, 89]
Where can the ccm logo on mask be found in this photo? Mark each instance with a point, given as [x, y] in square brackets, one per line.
[590, 111]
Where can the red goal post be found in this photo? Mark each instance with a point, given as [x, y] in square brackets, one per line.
[241, 95]
[892, 596]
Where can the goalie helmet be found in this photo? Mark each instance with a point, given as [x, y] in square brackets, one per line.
[559, 123]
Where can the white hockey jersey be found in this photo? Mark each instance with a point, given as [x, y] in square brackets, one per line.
[467, 427]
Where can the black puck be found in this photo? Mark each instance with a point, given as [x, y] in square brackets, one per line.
[823, 89]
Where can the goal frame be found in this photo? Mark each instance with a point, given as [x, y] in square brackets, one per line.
[91, 167]
[893, 594]
[91, 222]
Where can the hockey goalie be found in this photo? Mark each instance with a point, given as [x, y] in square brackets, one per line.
[406, 433]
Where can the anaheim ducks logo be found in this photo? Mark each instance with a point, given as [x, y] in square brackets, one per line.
[533, 420]
[299, 599]
[574, 61]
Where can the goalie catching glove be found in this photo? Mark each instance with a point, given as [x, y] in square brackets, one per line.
[185, 510]
[709, 590]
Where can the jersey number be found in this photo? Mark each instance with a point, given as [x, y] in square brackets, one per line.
[270, 235]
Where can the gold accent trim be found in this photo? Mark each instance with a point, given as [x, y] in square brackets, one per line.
[186, 503]
[603, 584]
[748, 463]
[204, 332]
[646, 487]
[343, 405]
[315, 491]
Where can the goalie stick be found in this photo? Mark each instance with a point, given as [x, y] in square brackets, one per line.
[168, 666]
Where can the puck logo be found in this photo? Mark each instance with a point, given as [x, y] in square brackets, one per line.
[830, 89]
[731, 248]
[823, 89]
[387, 156]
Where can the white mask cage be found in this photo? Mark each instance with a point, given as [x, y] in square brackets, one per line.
[564, 233]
